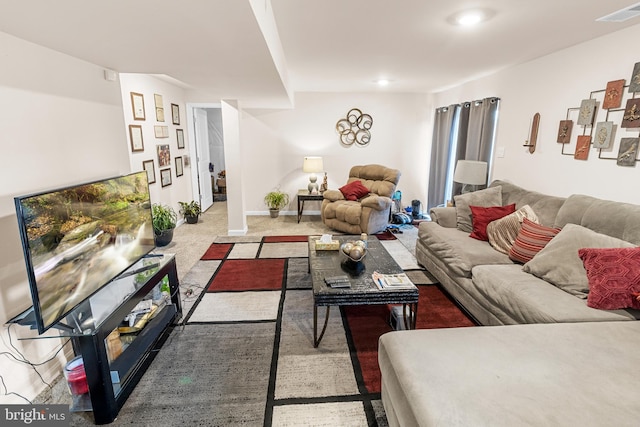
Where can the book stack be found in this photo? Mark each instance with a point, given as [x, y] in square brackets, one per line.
[338, 281]
[392, 281]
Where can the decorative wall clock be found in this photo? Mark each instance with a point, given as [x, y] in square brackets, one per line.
[564, 131]
[355, 128]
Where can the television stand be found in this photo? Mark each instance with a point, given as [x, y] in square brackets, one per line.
[114, 363]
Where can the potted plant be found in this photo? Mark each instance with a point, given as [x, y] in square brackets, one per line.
[276, 200]
[190, 211]
[164, 222]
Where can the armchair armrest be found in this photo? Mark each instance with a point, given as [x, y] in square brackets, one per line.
[444, 216]
[333, 195]
[376, 202]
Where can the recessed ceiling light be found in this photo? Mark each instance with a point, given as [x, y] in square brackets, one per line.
[470, 18]
[382, 82]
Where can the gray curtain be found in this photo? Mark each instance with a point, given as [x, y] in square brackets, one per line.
[460, 132]
[440, 152]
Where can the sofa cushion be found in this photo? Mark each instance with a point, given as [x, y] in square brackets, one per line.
[457, 250]
[531, 239]
[546, 207]
[502, 232]
[559, 263]
[354, 190]
[518, 297]
[487, 197]
[482, 216]
[614, 277]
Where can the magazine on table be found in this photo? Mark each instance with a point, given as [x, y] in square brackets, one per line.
[392, 281]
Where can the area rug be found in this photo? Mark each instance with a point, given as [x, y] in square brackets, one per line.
[244, 353]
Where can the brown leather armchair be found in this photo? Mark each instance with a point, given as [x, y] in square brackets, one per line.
[369, 214]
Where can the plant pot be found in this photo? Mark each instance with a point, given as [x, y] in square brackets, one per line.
[191, 219]
[274, 213]
[164, 237]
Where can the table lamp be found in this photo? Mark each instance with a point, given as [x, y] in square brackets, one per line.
[312, 165]
[470, 173]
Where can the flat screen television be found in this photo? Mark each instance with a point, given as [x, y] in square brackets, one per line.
[77, 239]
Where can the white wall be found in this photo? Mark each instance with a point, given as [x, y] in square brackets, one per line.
[62, 123]
[550, 85]
[276, 142]
[181, 187]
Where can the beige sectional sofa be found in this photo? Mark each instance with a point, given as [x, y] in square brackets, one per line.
[560, 362]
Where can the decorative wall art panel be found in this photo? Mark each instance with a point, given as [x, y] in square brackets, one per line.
[613, 94]
[634, 81]
[604, 135]
[587, 112]
[582, 147]
[355, 128]
[628, 152]
[564, 131]
[631, 118]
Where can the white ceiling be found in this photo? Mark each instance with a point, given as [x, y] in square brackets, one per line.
[217, 49]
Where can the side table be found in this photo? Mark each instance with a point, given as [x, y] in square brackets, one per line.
[303, 196]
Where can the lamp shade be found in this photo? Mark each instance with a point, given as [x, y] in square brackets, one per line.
[312, 165]
[470, 172]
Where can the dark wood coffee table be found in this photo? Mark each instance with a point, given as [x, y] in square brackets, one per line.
[363, 291]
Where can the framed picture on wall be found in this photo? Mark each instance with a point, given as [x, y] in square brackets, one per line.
[165, 177]
[164, 155]
[159, 107]
[179, 167]
[175, 114]
[161, 131]
[137, 105]
[135, 135]
[148, 166]
[180, 138]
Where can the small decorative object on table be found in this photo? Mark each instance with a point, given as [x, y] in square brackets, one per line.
[324, 186]
[354, 250]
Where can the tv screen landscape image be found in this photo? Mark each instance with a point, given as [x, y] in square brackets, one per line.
[78, 239]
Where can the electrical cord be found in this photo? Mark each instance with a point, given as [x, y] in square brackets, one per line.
[7, 392]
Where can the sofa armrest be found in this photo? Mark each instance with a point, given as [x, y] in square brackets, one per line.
[333, 195]
[376, 202]
[444, 216]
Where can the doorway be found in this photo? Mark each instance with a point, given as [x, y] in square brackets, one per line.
[208, 151]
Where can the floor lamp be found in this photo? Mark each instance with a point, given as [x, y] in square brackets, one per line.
[470, 173]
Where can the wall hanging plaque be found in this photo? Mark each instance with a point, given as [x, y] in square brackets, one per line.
[634, 82]
[587, 111]
[628, 152]
[564, 131]
[355, 128]
[582, 147]
[604, 135]
[631, 118]
[613, 94]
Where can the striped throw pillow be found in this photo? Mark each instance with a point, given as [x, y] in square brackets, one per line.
[531, 239]
[503, 232]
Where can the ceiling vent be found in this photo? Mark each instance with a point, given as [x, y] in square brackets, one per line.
[623, 14]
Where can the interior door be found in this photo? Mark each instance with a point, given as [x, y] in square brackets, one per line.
[202, 153]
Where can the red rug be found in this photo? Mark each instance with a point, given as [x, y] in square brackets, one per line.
[248, 275]
[217, 251]
[385, 235]
[368, 323]
[281, 239]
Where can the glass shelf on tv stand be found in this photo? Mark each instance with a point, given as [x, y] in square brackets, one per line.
[89, 316]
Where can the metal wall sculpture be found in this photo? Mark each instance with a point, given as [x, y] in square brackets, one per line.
[355, 128]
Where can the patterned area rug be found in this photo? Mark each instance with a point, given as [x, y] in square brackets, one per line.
[244, 354]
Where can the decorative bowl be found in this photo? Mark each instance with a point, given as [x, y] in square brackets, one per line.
[355, 250]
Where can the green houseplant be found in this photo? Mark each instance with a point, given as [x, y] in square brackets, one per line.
[164, 222]
[190, 211]
[276, 200]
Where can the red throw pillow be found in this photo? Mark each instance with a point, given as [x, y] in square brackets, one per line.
[354, 190]
[614, 277]
[482, 216]
[531, 239]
